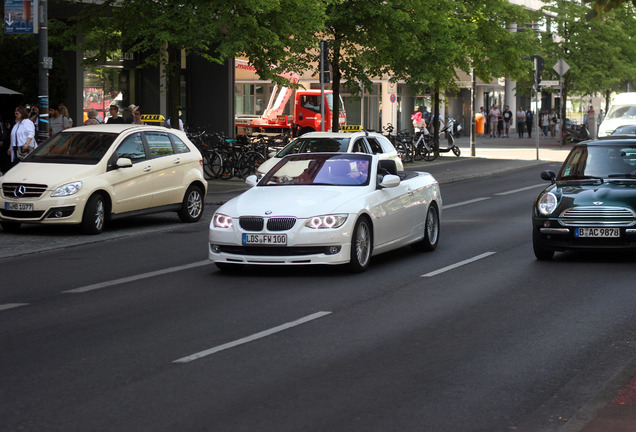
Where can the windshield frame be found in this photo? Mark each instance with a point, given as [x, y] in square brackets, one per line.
[64, 148]
[319, 169]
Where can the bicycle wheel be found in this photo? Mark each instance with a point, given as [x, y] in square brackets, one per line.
[207, 167]
[430, 154]
[249, 162]
[215, 164]
[401, 149]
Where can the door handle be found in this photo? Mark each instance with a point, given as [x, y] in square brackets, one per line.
[148, 168]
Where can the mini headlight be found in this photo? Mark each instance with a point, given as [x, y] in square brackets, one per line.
[222, 221]
[67, 189]
[547, 203]
[326, 221]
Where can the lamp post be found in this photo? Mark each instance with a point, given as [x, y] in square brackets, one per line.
[46, 63]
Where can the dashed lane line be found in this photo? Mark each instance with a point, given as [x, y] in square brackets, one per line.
[459, 264]
[251, 338]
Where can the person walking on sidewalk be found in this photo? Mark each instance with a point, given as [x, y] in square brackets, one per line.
[554, 119]
[529, 121]
[493, 120]
[507, 117]
[521, 121]
[545, 123]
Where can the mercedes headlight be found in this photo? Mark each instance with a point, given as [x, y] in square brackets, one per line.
[67, 189]
[326, 221]
[547, 204]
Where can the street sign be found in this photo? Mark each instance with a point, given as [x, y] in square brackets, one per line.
[20, 16]
[546, 83]
[392, 87]
[561, 67]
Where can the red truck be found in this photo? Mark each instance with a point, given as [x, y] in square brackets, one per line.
[305, 118]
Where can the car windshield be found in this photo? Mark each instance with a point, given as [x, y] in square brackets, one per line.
[611, 161]
[623, 112]
[319, 169]
[315, 145]
[74, 148]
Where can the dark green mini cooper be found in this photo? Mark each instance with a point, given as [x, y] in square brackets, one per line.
[591, 203]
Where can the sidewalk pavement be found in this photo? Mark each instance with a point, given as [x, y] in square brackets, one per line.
[614, 409]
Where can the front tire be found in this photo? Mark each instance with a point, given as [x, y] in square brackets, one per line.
[192, 205]
[94, 216]
[431, 230]
[11, 227]
[361, 246]
[540, 252]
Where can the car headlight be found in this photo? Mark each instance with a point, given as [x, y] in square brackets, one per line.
[547, 203]
[326, 221]
[221, 221]
[67, 189]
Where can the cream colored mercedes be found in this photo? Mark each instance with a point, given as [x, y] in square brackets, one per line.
[90, 174]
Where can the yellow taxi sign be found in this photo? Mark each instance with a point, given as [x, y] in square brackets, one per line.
[152, 118]
[351, 128]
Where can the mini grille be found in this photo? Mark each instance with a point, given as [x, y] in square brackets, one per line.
[598, 216]
[253, 223]
[13, 190]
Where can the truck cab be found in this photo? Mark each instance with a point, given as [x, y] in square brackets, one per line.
[307, 111]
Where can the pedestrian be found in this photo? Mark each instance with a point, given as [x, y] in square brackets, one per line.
[507, 117]
[114, 113]
[136, 114]
[500, 125]
[601, 116]
[529, 122]
[554, 119]
[131, 109]
[5, 146]
[521, 121]
[64, 111]
[57, 121]
[34, 114]
[22, 136]
[545, 122]
[92, 117]
[493, 120]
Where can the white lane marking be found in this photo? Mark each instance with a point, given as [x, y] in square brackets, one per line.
[459, 264]
[252, 338]
[12, 305]
[465, 202]
[521, 189]
[136, 277]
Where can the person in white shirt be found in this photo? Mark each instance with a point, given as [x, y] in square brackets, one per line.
[22, 134]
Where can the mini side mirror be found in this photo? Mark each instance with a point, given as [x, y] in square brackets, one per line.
[549, 176]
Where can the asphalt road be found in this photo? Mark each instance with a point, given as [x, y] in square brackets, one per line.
[138, 332]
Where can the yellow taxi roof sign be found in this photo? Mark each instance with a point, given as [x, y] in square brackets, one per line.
[351, 128]
[152, 118]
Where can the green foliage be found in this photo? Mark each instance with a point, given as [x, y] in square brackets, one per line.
[599, 7]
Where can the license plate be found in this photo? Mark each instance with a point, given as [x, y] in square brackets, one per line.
[597, 232]
[265, 239]
[18, 206]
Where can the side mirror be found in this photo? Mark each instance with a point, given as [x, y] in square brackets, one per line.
[251, 180]
[390, 181]
[549, 176]
[123, 163]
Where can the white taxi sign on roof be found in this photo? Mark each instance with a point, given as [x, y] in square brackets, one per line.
[351, 128]
[152, 118]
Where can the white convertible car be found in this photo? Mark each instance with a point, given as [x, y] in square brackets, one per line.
[327, 208]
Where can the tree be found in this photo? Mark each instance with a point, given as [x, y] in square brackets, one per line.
[446, 36]
[274, 35]
[600, 52]
[601, 6]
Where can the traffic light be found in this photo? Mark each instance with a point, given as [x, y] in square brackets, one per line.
[324, 62]
[538, 68]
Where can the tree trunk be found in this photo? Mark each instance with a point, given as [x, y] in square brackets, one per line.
[174, 85]
[436, 118]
